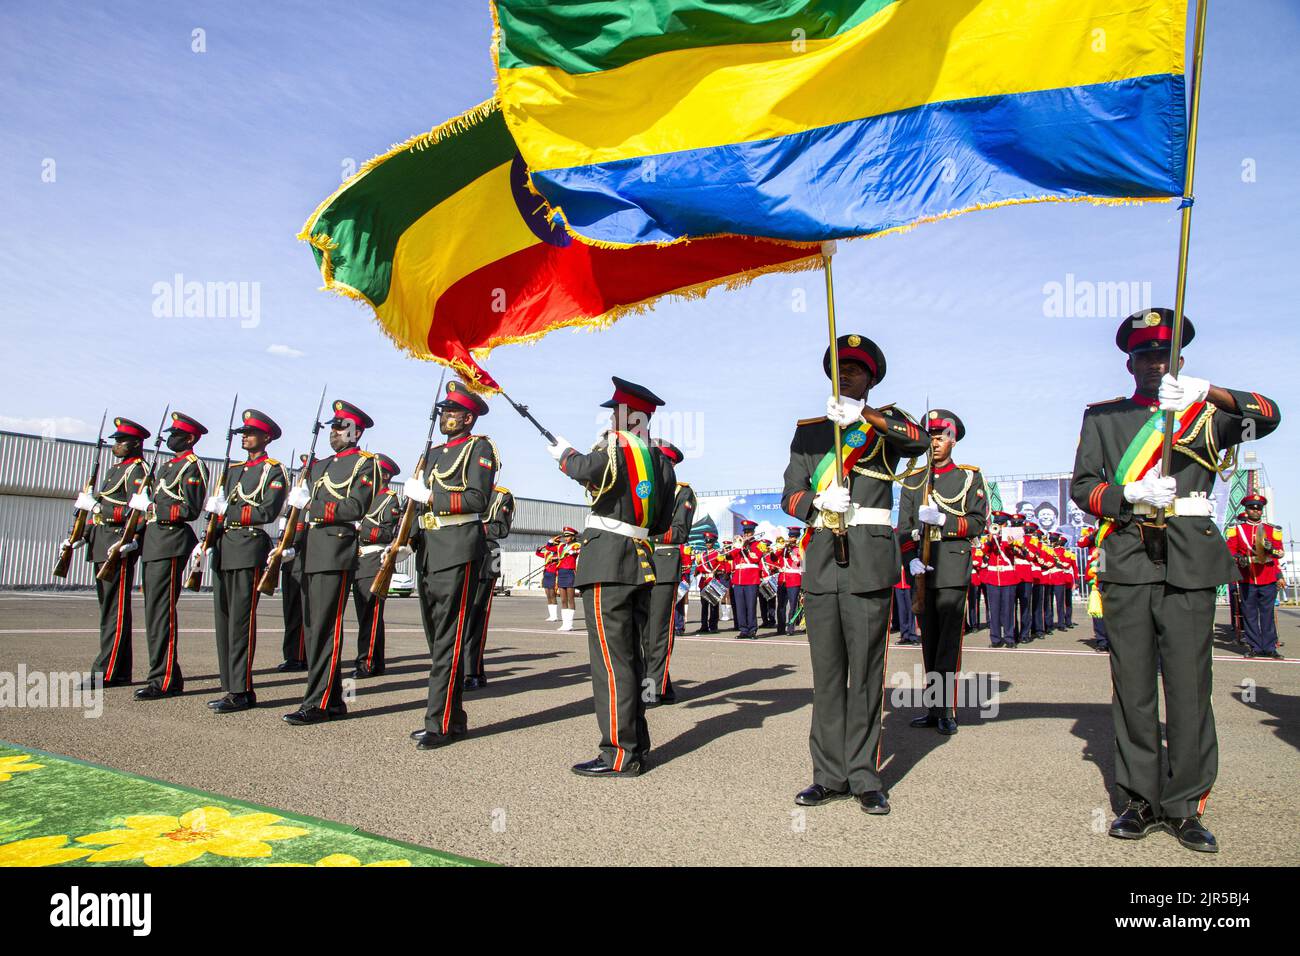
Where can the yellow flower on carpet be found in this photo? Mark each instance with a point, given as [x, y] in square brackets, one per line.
[171, 841]
[342, 859]
[12, 765]
[39, 851]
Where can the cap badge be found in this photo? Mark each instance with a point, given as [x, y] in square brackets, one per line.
[854, 341]
[1152, 319]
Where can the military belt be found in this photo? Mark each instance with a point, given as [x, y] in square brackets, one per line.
[857, 515]
[598, 523]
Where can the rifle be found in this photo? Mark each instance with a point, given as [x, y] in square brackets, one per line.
[523, 410]
[276, 557]
[81, 518]
[194, 576]
[919, 581]
[388, 564]
[131, 529]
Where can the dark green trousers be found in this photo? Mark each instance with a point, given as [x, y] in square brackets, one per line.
[943, 621]
[659, 638]
[370, 625]
[846, 638]
[616, 616]
[292, 595]
[1146, 624]
[327, 600]
[114, 657]
[477, 626]
[446, 599]
[235, 596]
[162, 589]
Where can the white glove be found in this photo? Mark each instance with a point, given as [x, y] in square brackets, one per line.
[74, 545]
[847, 411]
[216, 504]
[85, 502]
[917, 567]
[1153, 489]
[299, 496]
[835, 498]
[1179, 393]
[403, 553]
[139, 502]
[930, 514]
[417, 490]
[195, 560]
[557, 450]
[124, 549]
[288, 555]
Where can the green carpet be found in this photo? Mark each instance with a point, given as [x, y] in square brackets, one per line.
[56, 810]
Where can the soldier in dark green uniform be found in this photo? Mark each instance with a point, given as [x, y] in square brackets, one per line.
[179, 489]
[496, 526]
[660, 631]
[847, 606]
[631, 484]
[1160, 583]
[251, 496]
[377, 529]
[456, 491]
[954, 517]
[108, 509]
[294, 645]
[337, 494]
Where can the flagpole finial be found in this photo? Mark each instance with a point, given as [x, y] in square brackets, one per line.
[829, 248]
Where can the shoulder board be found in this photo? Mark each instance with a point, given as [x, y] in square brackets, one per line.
[888, 408]
[1108, 401]
[501, 490]
[190, 456]
[682, 484]
[365, 454]
[809, 421]
[272, 461]
[970, 467]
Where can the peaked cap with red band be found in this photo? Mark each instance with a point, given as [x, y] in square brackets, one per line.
[634, 396]
[860, 349]
[184, 423]
[458, 394]
[1255, 500]
[391, 468]
[346, 411]
[257, 421]
[942, 420]
[1151, 329]
[125, 428]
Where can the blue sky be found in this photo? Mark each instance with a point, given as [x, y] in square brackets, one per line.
[168, 161]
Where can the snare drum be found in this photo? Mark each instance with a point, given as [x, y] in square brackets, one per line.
[767, 587]
[714, 592]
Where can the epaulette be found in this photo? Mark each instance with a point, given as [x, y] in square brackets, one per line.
[501, 489]
[683, 484]
[272, 461]
[1117, 398]
[809, 421]
[365, 454]
[970, 467]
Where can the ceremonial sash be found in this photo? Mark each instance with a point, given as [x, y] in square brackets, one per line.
[1141, 456]
[854, 443]
[641, 476]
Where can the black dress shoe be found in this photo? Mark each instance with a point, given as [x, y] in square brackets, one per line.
[816, 795]
[1271, 655]
[598, 768]
[668, 698]
[874, 802]
[220, 700]
[363, 671]
[430, 740]
[453, 730]
[947, 726]
[234, 703]
[285, 666]
[150, 692]
[1192, 834]
[306, 715]
[474, 683]
[1009, 644]
[995, 643]
[1137, 820]
[929, 720]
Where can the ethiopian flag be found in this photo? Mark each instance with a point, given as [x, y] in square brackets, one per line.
[441, 237]
[807, 120]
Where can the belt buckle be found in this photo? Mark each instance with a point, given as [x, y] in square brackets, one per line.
[428, 521]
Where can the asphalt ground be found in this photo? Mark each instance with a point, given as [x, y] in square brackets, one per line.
[1028, 784]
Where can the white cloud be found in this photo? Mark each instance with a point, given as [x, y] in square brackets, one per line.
[285, 351]
[47, 427]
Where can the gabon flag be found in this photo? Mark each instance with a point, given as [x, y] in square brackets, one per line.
[821, 119]
[442, 238]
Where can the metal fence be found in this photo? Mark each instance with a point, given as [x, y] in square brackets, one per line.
[39, 477]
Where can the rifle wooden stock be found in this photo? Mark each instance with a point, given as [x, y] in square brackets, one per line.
[79, 522]
[379, 586]
[108, 570]
[276, 558]
[194, 580]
